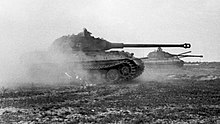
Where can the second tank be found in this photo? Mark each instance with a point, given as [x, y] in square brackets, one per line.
[163, 59]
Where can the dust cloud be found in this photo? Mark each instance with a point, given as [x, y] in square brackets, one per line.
[158, 74]
[56, 65]
[11, 73]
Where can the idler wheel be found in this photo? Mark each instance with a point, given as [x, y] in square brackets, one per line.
[112, 75]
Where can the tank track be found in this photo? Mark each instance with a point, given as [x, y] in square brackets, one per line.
[134, 70]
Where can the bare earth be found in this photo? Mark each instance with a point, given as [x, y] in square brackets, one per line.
[162, 96]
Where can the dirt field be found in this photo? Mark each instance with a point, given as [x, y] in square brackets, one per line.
[190, 95]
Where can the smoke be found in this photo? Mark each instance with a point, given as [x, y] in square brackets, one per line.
[11, 74]
[56, 65]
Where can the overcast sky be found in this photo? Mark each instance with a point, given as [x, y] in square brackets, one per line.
[27, 25]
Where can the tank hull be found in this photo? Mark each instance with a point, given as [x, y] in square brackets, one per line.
[164, 63]
[110, 67]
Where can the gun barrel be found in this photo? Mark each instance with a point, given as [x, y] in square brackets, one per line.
[191, 56]
[184, 53]
[185, 45]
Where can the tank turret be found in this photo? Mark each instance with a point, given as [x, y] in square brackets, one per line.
[160, 54]
[87, 43]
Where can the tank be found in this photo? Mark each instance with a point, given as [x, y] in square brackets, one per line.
[91, 58]
[162, 59]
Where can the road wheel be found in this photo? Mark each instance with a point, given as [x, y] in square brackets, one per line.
[113, 76]
[125, 70]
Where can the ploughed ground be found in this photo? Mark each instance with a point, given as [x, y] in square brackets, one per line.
[188, 95]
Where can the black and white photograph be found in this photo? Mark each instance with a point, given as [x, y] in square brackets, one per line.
[109, 61]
